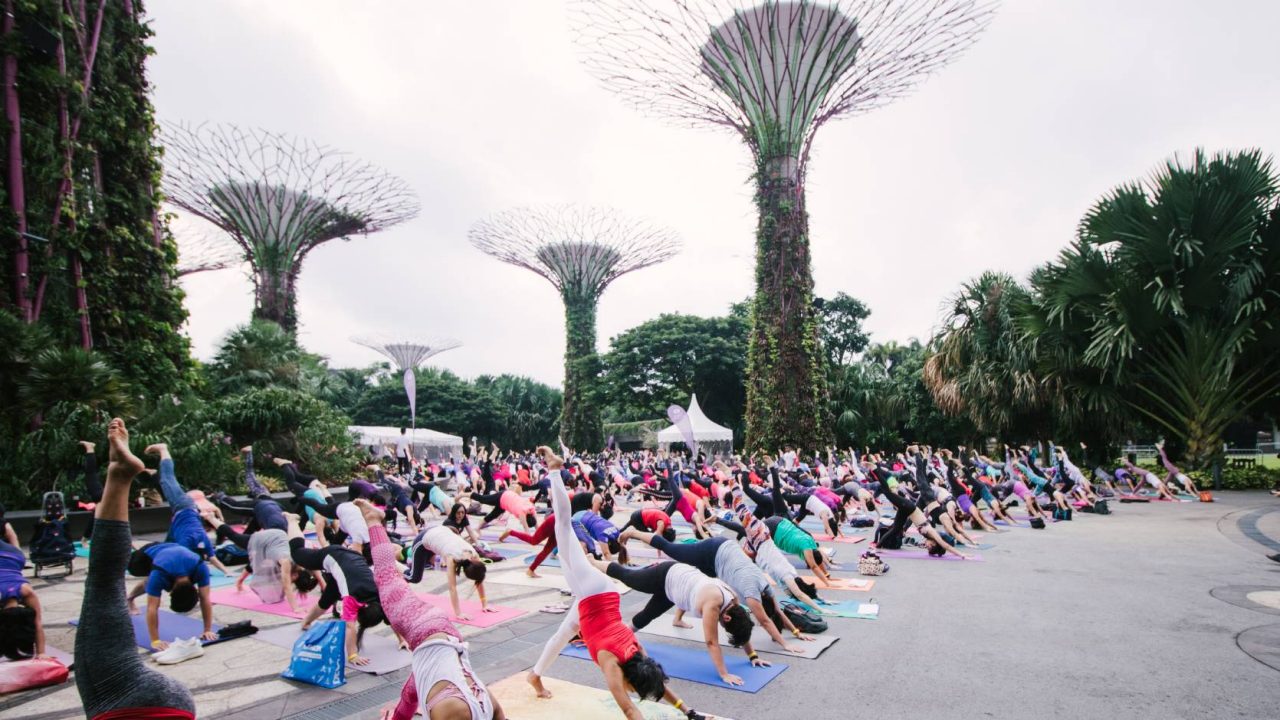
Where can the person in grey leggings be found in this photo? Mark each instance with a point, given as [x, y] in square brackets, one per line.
[113, 680]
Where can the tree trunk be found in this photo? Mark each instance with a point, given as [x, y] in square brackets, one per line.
[580, 425]
[786, 383]
[275, 299]
[16, 188]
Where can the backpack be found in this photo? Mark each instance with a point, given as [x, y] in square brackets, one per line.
[1037, 523]
[50, 544]
[1101, 507]
[862, 521]
[230, 554]
[871, 564]
[804, 619]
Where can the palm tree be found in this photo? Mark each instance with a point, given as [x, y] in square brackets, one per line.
[1169, 299]
[983, 366]
[257, 355]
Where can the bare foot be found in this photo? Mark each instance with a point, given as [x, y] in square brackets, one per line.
[372, 515]
[88, 446]
[502, 536]
[124, 465]
[532, 573]
[536, 681]
[280, 461]
[160, 449]
[246, 449]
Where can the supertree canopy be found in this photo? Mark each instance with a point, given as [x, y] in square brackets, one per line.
[408, 355]
[774, 72]
[580, 250]
[278, 198]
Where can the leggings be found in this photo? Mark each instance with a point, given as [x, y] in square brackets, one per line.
[294, 479]
[224, 533]
[583, 577]
[110, 674]
[92, 487]
[544, 532]
[494, 499]
[177, 498]
[651, 580]
[256, 489]
[701, 554]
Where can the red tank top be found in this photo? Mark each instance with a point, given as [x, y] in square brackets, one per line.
[651, 518]
[600, 621]
[697, 489]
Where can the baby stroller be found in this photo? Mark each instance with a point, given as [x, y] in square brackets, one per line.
[50, 546]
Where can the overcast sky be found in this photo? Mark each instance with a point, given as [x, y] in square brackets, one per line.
[483, 105]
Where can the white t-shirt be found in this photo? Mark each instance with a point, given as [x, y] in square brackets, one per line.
[351, 520]
[774, 564]
[684, 584]
[815, 505]
[402, 446]
[789, 461]
[446, 543]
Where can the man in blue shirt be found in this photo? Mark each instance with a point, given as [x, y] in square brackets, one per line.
[186, 528]
[183, 574]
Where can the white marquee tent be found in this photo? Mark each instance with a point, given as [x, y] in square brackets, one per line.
[426, 443]
[714, 438]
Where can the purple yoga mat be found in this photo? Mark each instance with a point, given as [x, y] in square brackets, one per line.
[923, 555]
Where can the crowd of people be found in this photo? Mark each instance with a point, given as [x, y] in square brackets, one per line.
[748, 518]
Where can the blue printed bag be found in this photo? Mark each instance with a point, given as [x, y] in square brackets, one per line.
[320, 656]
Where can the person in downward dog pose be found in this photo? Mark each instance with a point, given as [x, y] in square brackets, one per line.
[1175, 473]
[596, 611]
[683, 587]
[459, 556]
[442, 684]
[113, 680]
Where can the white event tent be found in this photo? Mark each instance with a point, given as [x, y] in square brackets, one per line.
[426, 443]
[715, 439]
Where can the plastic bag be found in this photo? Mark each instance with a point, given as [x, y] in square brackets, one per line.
[320, 656]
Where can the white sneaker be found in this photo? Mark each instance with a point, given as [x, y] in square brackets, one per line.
[180, 651]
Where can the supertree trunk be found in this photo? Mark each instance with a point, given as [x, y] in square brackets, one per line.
[784, 357]
[580, 424]
[275, 298]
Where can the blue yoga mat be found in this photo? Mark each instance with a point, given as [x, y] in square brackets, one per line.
[549, 562]
[508, 552]
[172, 626]
[695, 666]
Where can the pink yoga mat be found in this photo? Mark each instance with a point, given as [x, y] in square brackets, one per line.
[471, 607]
[249, 600]
[924, 555]
[842, 539]
[839, 583]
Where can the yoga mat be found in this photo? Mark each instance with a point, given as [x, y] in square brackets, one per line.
[797, 562]
[509, 552]
[546, 581]
[519, 701]
[851, 609]
[979, 546]
[551, 561]
[58, 654]
[384, 653]
[760, 639]
[924, 555]
[842, 539]
[841, 583]
[172, 627]
[218, 580]
[470, 607]
[695, 665]
[249, 600]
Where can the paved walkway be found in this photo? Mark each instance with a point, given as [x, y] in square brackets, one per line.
[1153, 611]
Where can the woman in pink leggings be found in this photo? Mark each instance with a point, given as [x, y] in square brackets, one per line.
[443, 685]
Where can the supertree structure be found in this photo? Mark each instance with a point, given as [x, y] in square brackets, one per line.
[774, 72]
[278, 198]
[580, 250]
[202, 248]
[408, 355]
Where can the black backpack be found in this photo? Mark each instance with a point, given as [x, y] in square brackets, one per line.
[1037, 523]
[50, 544]
[230, 554]
[1101, 507]
[806, 620]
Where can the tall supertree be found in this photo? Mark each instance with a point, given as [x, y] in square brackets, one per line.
[774, 72]
[278, 198]
[408, 355]
[579, 250]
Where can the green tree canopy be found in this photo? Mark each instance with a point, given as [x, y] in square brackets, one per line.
[843, 336]
[663, 361]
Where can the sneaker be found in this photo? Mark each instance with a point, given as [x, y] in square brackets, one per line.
[180, 651]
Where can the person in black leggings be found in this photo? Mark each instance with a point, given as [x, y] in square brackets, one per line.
[112, 678]
[347, 579]
[907, 512]
[92, 484]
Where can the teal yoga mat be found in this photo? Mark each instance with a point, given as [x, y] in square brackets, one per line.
[695, 665]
